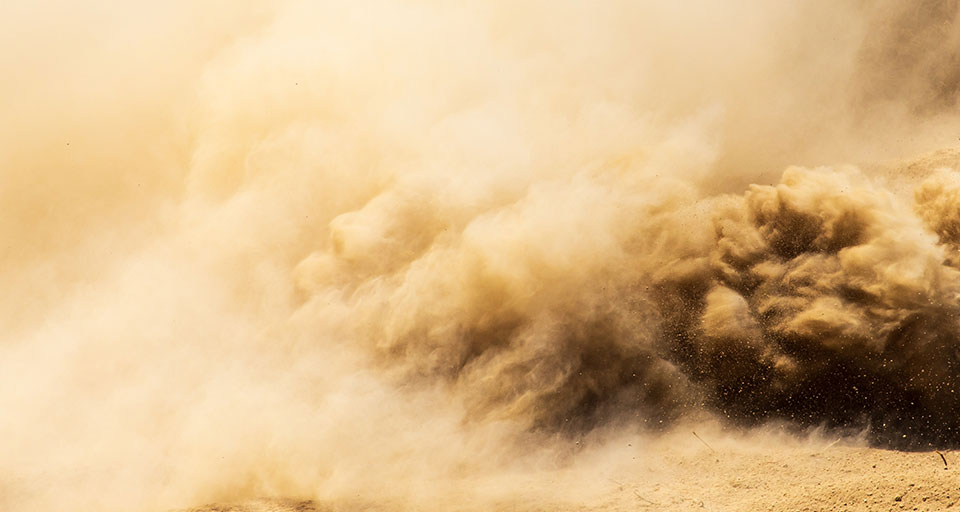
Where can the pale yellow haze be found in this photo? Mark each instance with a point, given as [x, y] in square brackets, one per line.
[417, 255]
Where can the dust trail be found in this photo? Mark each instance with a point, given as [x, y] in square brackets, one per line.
[396, 254]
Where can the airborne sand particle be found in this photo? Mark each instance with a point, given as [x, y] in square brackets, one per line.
[484, 243]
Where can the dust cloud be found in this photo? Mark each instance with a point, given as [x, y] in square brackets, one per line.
[419, 254]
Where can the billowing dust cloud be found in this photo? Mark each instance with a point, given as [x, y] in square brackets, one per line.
[398, 253]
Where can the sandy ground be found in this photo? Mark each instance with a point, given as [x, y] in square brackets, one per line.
[798, 478]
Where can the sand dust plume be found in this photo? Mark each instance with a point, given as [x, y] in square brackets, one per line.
[422, 255]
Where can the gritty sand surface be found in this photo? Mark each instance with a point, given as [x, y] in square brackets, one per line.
[792, 479]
